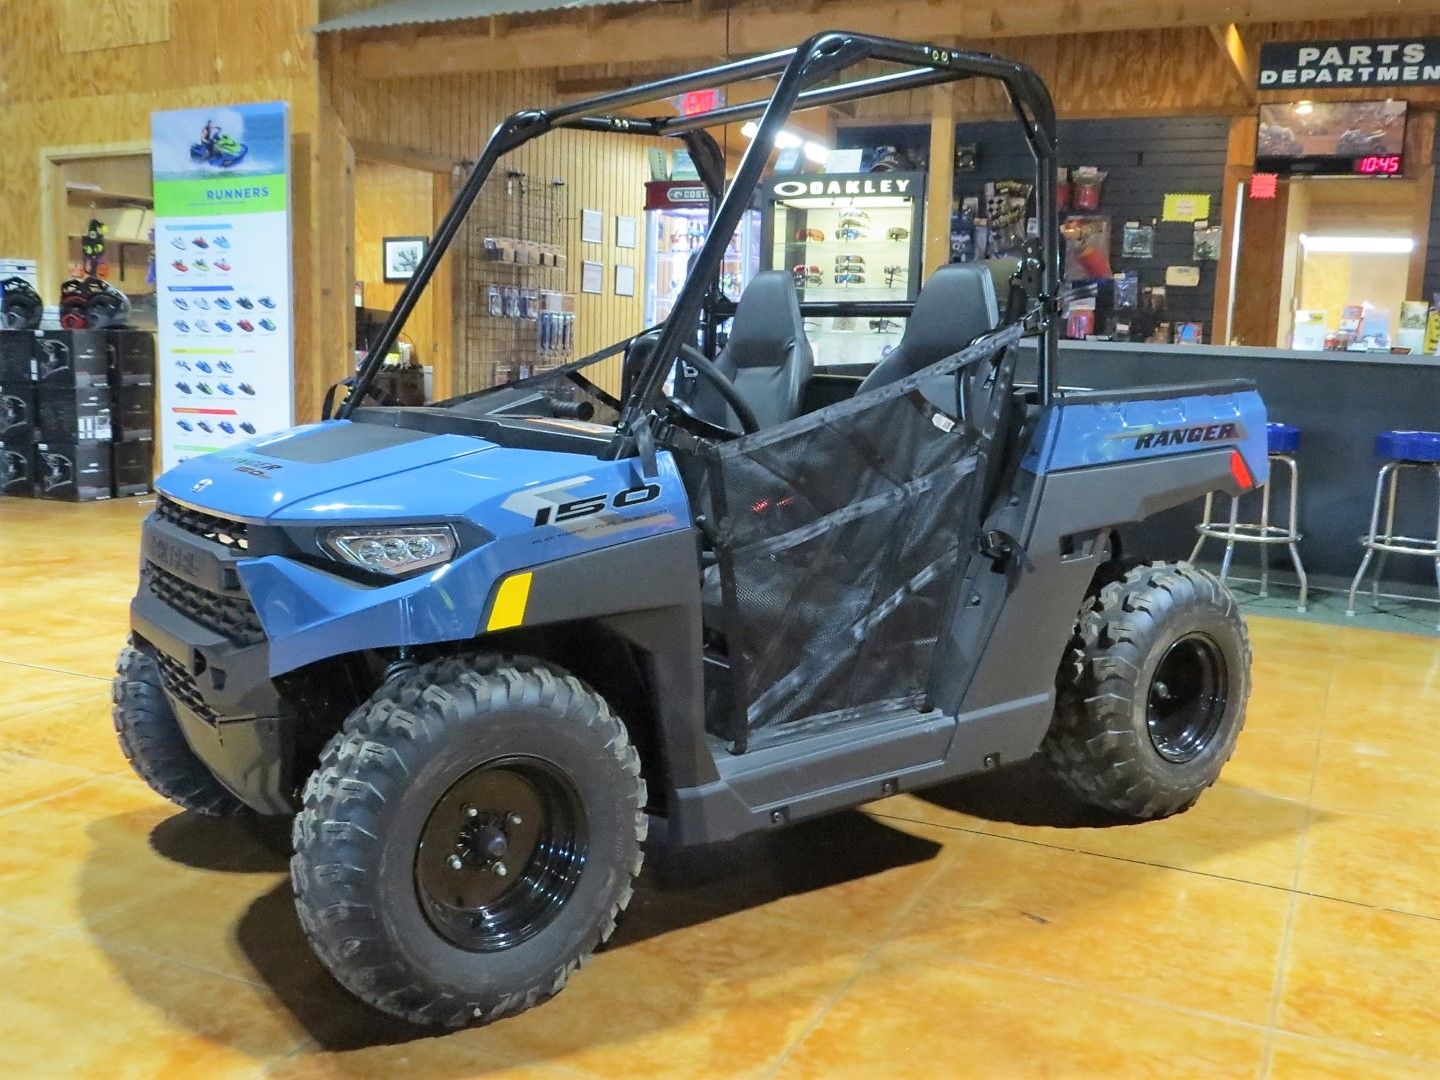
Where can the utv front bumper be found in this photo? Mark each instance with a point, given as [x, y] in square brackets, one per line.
[192, 615]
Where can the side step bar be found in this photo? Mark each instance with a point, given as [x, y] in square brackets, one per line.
[834, 770]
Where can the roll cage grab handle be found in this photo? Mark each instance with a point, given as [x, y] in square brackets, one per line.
[799, 69]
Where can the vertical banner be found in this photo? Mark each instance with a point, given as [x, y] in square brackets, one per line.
[222, 275]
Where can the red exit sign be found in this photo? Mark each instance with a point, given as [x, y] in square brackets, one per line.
[701, 101]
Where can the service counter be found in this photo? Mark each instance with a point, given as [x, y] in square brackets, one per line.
[1340, 402]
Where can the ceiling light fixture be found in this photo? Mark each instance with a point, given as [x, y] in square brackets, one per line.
[1359, 245]
[788, 140]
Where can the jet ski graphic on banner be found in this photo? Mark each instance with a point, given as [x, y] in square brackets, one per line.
[217, 147]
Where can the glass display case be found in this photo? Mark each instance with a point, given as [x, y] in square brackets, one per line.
[677, 213]
[848, 237]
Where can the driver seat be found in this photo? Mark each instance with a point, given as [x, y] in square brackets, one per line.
[767, 357]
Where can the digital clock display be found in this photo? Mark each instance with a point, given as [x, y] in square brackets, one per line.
[1378, 165]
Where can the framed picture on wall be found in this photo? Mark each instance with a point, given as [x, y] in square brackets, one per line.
[626, 234]
[624, 281]
[592, 226]
[592, 277]
[401, 256]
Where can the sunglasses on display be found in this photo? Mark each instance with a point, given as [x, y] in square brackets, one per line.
[850, 232]
[893, 272]
[858, 260]
[807, 275]
[898, 232]
[809, 234]
[882, 326]
[850, 279]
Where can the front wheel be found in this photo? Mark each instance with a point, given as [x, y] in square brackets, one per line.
[151, 740]
[1151, 696]
[469, 839]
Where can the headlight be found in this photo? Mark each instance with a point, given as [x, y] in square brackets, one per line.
[393, 549]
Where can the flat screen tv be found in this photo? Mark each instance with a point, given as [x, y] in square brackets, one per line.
[1349, 138]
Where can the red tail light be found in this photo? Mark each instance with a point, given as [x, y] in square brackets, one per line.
[1240, 471]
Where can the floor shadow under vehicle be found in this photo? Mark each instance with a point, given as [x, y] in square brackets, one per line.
[676, 891]
[1023, 794]
[235, 845]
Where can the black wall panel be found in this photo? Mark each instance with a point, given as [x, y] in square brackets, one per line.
[1145, 159]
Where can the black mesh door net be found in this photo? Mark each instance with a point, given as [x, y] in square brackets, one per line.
[840, 537]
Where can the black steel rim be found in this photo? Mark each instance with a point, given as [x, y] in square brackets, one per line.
[501, 853]
[1188, 692]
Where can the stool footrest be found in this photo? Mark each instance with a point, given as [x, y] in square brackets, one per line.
[1249, 533]
[1403, 545]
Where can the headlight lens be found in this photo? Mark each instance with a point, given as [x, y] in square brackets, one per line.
[393, 549]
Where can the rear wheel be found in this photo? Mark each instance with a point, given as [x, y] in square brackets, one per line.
[469, 839]
[1151, 696]
[151, 739]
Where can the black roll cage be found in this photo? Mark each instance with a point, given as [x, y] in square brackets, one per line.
[799, 70]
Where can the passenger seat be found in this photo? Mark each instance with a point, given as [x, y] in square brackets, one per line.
[954, 308]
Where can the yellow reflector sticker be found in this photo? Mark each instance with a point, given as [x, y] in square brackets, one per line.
[510, 600]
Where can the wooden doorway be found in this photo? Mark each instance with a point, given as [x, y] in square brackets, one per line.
[401, 193]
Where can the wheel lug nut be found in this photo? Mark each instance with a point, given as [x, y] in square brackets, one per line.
[500, 869]
[455, 863]
[514, 818]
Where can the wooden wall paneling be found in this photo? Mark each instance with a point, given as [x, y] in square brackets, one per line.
[1239, 163]
[91, 25]
[1420, 153]
[941, 181]
[675, 32]
[1260, 270]
[1432, 255]
[394, 200]
[208, 45]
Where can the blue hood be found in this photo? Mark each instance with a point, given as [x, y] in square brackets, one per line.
[260, 477]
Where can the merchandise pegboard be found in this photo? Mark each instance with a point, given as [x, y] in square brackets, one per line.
[517, 318]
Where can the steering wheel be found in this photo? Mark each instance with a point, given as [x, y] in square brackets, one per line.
[686, 417]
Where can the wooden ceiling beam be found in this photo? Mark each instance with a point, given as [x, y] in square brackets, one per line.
[1242, 57]
[668, 32]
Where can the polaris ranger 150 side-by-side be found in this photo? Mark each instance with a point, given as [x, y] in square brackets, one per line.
[479, 648]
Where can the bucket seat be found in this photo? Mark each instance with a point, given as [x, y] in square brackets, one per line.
[955, 307]
[767, 357]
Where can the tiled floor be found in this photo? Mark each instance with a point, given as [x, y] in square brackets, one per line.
[1288, 926]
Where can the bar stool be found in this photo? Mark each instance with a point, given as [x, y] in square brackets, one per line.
[1282, 440]
[1401, 450]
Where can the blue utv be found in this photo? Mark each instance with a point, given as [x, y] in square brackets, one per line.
[695, 583]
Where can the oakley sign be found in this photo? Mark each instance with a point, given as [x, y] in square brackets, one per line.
[870, 185]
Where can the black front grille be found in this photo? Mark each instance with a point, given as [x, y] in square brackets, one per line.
[231, 534]
[230, 614]
[181, 685]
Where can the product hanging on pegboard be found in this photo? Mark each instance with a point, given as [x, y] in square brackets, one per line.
[1087, 248]
[519, 318]
[1138, 240]
[1087, 181]
[1006, 205]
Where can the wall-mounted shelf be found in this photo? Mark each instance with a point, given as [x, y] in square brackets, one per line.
[113, 198]
[117, 240]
